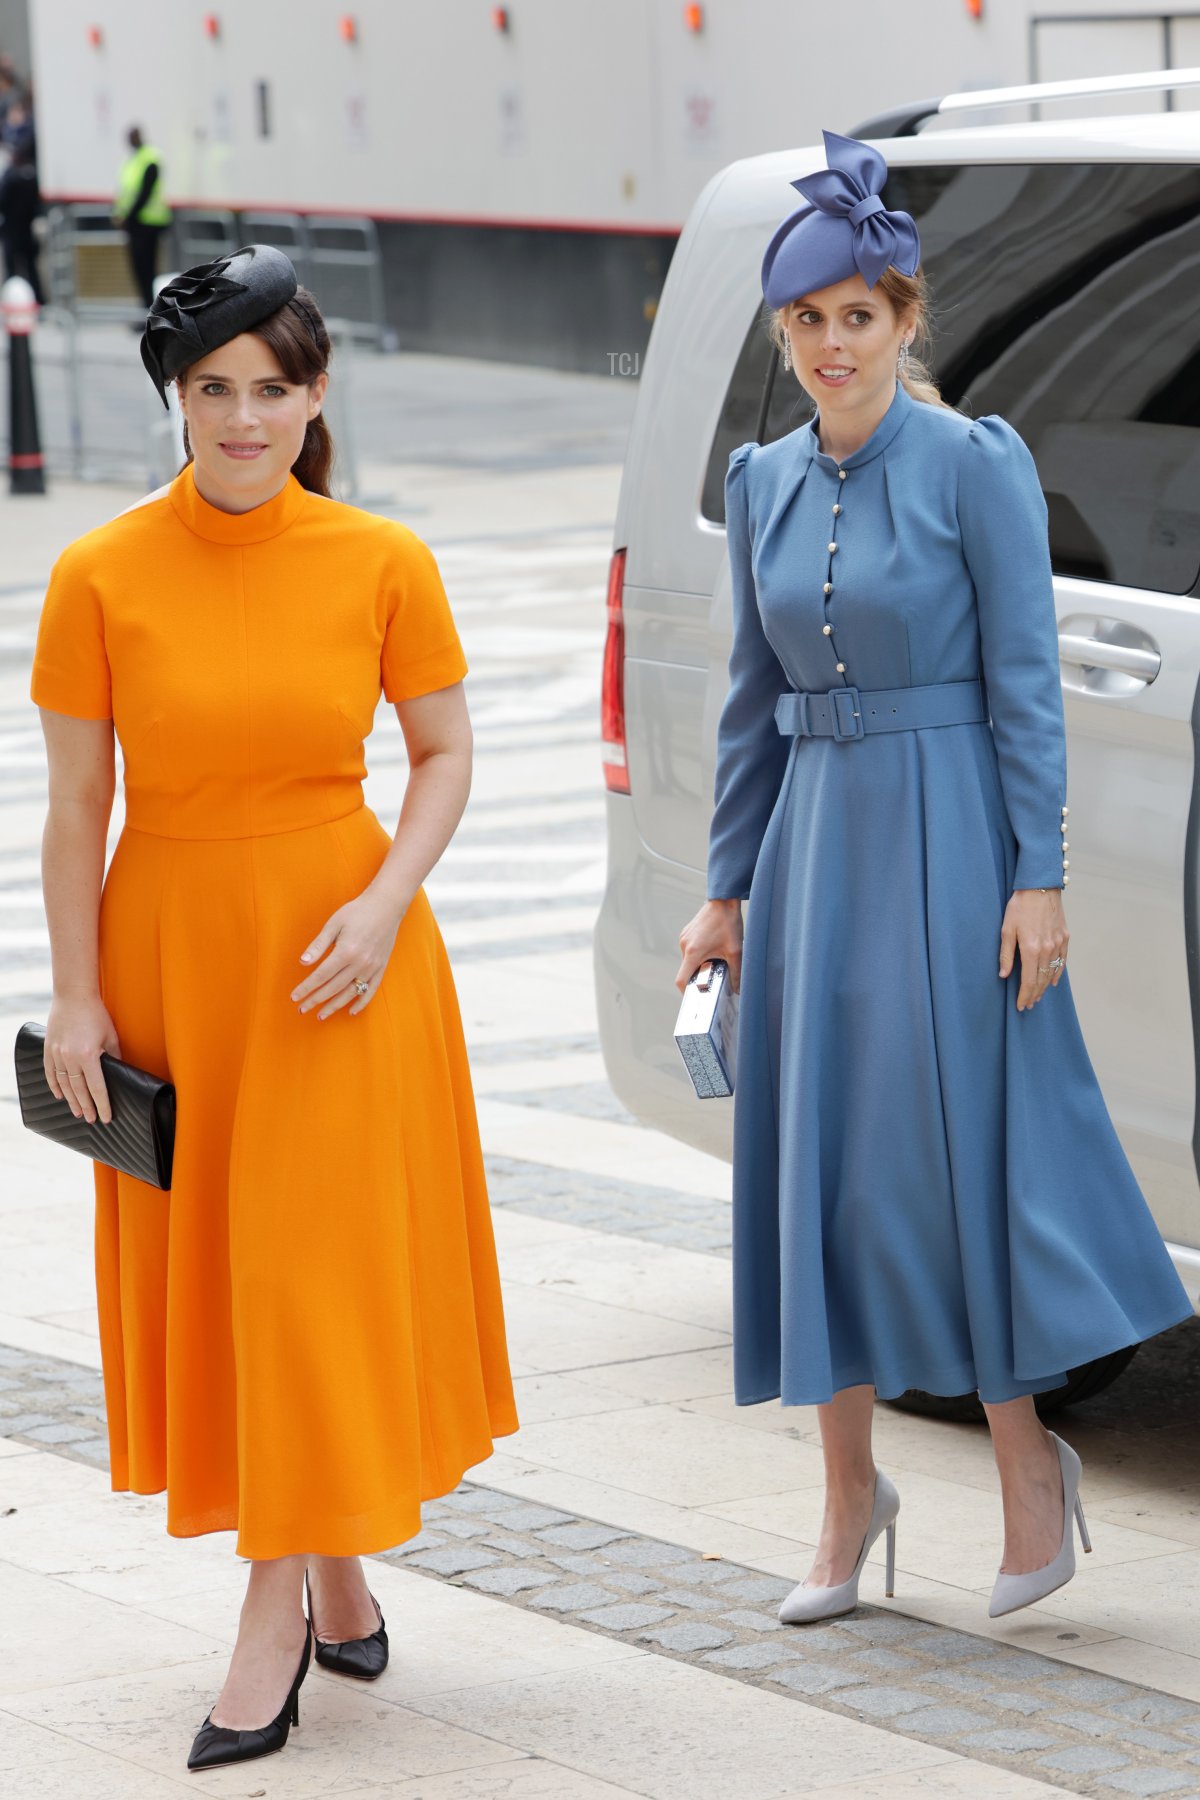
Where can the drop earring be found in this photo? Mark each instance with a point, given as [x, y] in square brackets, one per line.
[902, 359]
[787, 352]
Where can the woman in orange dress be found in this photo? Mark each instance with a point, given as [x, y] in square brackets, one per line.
[303, 1339]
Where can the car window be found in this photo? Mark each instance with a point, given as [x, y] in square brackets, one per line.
[787, 407]
[1063, 299]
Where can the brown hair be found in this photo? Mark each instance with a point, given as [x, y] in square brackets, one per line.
[908, 294]
[298, 336]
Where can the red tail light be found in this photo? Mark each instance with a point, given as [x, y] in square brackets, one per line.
[612, 687]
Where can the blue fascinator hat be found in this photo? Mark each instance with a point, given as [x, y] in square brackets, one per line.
[846, 230]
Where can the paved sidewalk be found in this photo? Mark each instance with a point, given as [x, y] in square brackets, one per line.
[935, 1686]
[592, 1614]
[127, 1633]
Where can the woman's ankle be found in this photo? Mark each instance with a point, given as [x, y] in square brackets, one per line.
[277, 1628]
[846, 1488]
[1029, 1465]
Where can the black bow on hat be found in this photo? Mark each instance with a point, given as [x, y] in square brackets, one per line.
[211, 303]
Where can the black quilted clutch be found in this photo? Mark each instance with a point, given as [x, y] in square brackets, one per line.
[141, 1138]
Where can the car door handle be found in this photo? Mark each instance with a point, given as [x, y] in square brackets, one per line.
[1099, 653]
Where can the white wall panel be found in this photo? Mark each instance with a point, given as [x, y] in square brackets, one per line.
[590, 112]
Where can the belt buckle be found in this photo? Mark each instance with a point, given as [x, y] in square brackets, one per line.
[853, 712]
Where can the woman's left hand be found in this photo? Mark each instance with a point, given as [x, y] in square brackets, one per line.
[354, 943]
[1035, 925]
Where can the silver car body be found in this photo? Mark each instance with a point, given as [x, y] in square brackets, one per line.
[1130, 648]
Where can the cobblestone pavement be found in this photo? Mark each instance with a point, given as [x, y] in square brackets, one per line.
[602, 1203]
[54, 1404]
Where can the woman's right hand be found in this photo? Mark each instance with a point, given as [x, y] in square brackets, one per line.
[716, 931]
[76, 1032]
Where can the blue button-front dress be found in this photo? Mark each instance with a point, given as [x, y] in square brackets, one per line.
[928, 1189]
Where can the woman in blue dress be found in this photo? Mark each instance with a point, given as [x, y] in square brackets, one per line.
[928, 1189]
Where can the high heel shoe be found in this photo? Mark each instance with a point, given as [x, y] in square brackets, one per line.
[217, 1744]
[805, 1604]
[365, 1657]
[1013, 1591]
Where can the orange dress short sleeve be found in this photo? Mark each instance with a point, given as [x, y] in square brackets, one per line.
[421, 647]
[70, 662]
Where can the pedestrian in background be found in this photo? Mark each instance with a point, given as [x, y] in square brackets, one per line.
[928, 1189]
[141, 207]
[20, 205]
[304, 1339]
[12, 89]
[17, 133]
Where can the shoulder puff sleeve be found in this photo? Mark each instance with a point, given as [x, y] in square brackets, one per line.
[1002, 516]
[71, 672]
[751, 753]
[421, 648]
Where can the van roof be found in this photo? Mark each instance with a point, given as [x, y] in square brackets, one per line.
[754, 183]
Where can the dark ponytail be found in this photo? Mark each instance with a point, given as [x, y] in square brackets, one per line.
[300, 340]
[297, 334]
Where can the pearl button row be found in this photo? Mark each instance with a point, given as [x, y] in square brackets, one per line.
[827, 588]
[1065, 846]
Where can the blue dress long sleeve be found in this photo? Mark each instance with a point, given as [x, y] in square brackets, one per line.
[751, 755]
[928, 1190]
[1002, 516]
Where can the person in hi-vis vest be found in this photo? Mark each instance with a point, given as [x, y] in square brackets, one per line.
[141, 208]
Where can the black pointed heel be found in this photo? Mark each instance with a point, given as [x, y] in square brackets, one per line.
[364, 1657]
[217, 1744]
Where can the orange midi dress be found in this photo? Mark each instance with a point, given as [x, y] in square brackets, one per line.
[304, 1338]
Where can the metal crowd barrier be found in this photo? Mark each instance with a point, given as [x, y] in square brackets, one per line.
[287, 231]
[338, 258]
[203, 236]
[347, 275]
[87, 261]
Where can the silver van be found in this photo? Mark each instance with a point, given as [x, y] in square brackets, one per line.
[1064, 263]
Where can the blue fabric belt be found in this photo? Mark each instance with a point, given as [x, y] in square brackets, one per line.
[850, 712]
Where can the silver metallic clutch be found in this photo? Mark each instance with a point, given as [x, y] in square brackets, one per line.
[706, 1030]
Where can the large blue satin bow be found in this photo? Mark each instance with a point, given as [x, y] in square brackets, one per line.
[849, 189]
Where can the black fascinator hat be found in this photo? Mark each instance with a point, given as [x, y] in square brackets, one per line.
[211, 303]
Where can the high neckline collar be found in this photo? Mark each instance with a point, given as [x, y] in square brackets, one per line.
[219, 527]
[879, 439]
